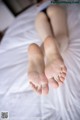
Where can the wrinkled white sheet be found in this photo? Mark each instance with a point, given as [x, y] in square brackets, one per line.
[16, 96]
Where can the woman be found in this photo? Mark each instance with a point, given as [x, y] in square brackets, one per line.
[46, 65]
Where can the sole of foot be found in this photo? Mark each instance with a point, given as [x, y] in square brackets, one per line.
[55, 68]
[36, 74]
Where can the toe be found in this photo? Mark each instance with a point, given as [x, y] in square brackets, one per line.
[64, 69]
[36, 89]
[50, 72]
[63, 75]
[62, 79]
[53, 83]
[60, 82]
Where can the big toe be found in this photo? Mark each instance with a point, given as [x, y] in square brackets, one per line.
[39, 83]
[53, 83]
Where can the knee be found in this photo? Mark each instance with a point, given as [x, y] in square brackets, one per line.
[53, 9]
[41, 16]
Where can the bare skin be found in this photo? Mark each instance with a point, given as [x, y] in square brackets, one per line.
[52, 70]
[55, 68]
[36, 70]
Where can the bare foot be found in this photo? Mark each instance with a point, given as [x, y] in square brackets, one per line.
[37, 78]
[55, 68]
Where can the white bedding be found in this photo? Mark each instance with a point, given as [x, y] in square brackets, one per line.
[16, 96]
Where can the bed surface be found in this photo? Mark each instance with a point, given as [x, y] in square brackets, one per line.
[16, 96]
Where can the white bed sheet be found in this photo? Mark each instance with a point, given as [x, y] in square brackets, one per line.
[16, 96]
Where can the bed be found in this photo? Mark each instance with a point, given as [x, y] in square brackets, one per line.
[16, 96]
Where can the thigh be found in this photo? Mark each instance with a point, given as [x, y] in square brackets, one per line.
[42, 25]
[58, 19]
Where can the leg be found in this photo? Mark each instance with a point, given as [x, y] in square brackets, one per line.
[44, 29]
[42, 26]
[58, 20]
[36, 75]
[54, 61]
[36, 64]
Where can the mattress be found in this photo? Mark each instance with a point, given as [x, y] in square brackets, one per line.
[16, 96]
